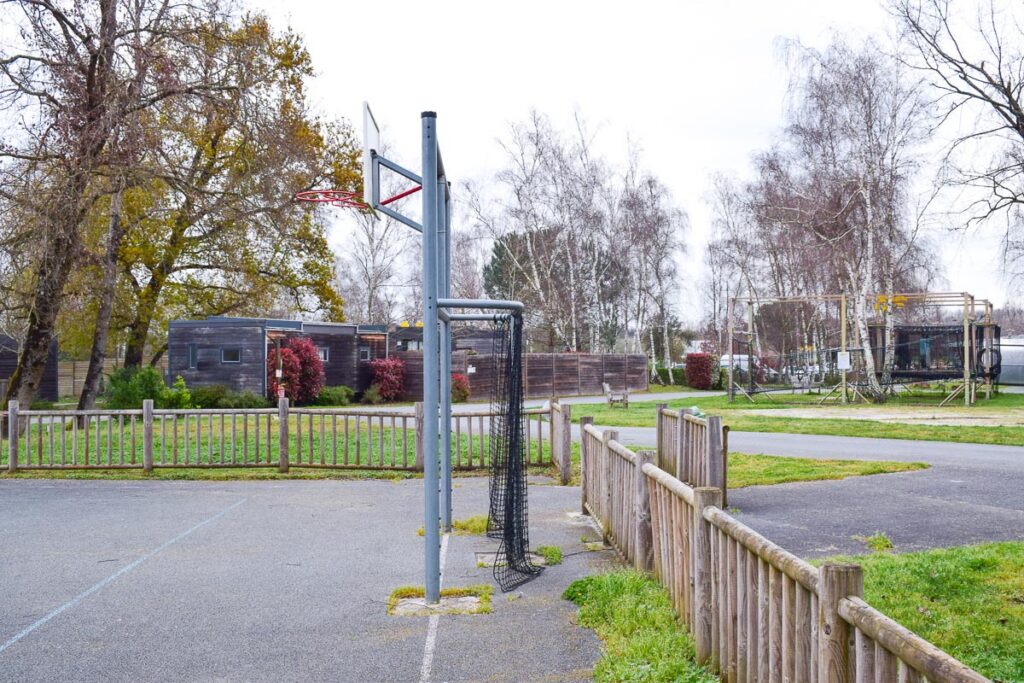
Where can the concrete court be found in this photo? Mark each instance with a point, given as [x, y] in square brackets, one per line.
[268, 581]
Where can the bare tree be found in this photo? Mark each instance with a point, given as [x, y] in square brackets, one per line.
[976, 66]
[374, 269]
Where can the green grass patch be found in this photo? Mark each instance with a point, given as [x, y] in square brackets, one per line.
[968, 601]
[762, 470]
[552, 554]
[481, 591]
[469, 526]
[878, 542]
[643, 641]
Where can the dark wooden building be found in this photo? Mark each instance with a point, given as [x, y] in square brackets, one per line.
[233, 351]
[9, 349]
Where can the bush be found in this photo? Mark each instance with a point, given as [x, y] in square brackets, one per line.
[389, 377]
[129, 387]
[372, 395]
[302, 371]
[700, 370]
[290, 369]
[460, 388]
[334, 396]
[209, 396]
[177, 397]
[242, 400]
[674, 377]
[311, 369]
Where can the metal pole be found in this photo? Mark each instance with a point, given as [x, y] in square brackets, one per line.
[444, 284]
[842, 338]
[431, 528]
[729, 333]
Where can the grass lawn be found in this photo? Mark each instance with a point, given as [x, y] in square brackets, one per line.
[643, 641]
[968, 601]
[735, 415]
[760, 470]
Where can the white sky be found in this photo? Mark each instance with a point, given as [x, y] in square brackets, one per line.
[698, 85]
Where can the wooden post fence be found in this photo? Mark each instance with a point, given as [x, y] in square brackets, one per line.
[644, 560]
[584, 459]
[282, 429]
[12, 436]
[147, 435]
[756, 611]
[419, 436]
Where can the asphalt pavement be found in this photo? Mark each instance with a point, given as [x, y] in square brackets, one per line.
[268, 581]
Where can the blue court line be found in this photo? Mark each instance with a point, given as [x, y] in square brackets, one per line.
[123, 570]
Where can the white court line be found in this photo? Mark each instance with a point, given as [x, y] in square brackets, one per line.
[123, 570]
[428, 647]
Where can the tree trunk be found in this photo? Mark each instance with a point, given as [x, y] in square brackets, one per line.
[51, 276]
[108, 285]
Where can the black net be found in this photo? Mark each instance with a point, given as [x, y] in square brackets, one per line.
[507, 519]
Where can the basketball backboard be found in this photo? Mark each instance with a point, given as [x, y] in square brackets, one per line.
[371, 145]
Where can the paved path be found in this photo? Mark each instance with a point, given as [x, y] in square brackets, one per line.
[971, 493]
[267, 581]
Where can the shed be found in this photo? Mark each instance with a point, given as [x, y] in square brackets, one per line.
[233, 351]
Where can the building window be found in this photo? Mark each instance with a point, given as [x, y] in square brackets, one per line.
[364, 353]
[193, 356]
[231, 355]
[324, 353]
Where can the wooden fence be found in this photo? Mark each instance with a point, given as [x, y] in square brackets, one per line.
[279, 437]
[693, 449]
[544, 374]
[756, 611]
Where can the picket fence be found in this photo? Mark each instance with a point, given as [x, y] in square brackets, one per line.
[756, 611]
[282, 437]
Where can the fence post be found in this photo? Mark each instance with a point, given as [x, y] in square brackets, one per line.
[282, 429]
[703, 566]
[835, 582]
[607, 488]
[716, 468]
[565, 465]
[644, 560]
[418, 420]
[685, 456]
[12, 436]
[553, 426]
[659, 436]
[147, 435]
[584, 459]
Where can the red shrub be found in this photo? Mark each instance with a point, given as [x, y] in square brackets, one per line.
[460, 388]
[290, 370]
[311, 374]
[700, 370]
[301, 369]
[389, 376]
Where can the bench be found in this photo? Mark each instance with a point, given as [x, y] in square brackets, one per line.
[616, 397]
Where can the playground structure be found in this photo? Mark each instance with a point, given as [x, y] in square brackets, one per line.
[507, 519]
[813, 353]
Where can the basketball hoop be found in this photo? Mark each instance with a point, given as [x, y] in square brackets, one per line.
[340, 198]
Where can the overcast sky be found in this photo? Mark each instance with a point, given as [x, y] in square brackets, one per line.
[698, 85]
